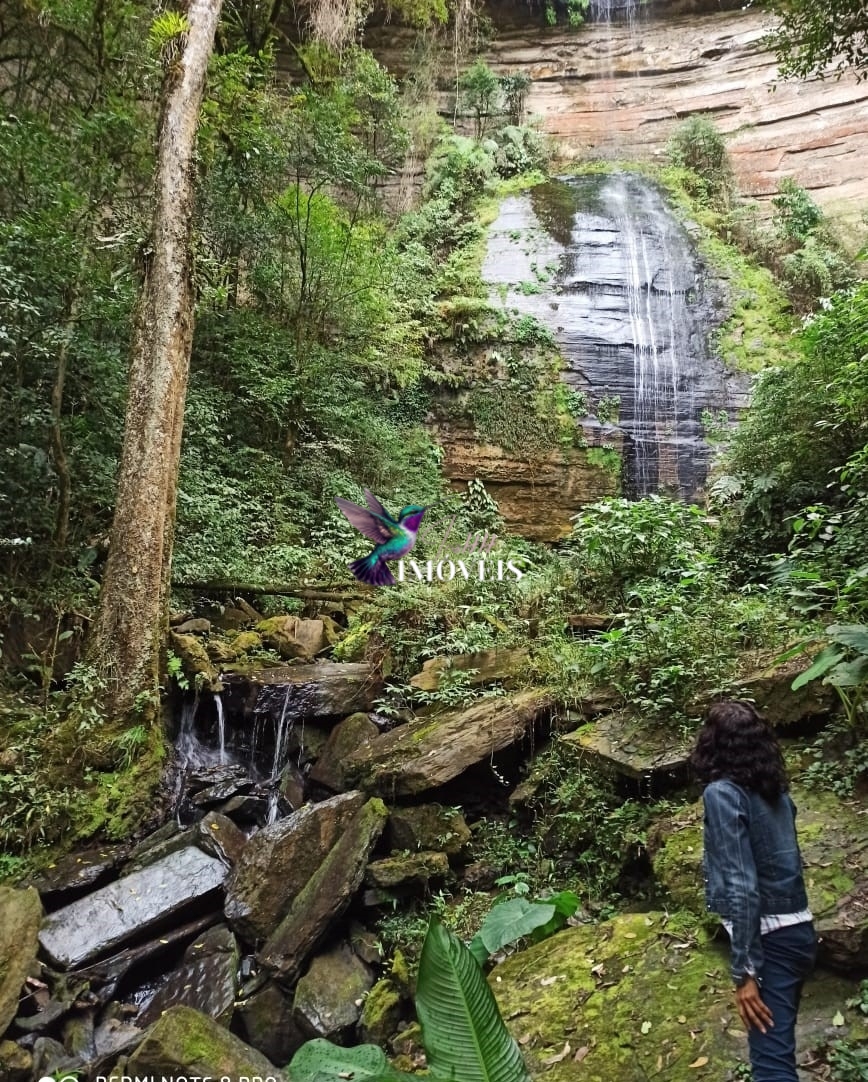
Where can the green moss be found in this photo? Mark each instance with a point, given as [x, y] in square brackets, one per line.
[609, 461]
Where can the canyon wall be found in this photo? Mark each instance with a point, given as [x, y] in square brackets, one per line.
[617, 90]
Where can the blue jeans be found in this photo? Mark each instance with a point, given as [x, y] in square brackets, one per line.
[789, 955]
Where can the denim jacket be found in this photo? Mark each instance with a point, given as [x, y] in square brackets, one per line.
[752, 865]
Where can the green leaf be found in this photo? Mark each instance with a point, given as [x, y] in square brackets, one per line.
[462, 1030]
[511, 920]
[853, 635]
[322, 1061]
[824, 661]
[849, 674]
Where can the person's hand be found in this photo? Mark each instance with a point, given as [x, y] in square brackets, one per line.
[751, 1007]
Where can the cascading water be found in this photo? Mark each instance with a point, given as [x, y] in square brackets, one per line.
[632, 309]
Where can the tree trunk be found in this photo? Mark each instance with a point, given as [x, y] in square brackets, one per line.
[132, 618]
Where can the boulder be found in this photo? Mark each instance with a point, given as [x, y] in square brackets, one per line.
[267, 1023]
[346, 737]
[770, 689]
[147, 900]
[20, 916]
[205, 979]
[428, 826]
[186, 1043]
[220, 837]
[483, 667]
[246, 642]
[410, 870]
[630, 747]
[326, 895]
[220, 652]
[326, 689]
[329, 997]
[431, 751]
[195, 626]
[194, 660]
[16, 1063]
[833, 838]
[280, 860]
[293, 637]
[636, 998]
[76, 873]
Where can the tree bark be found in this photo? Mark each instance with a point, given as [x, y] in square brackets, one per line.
[132, 618]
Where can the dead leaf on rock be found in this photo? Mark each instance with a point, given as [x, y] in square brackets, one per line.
[559, 1057]
[699, 1062]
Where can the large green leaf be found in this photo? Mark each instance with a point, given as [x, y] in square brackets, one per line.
[462, 1031]
[853, 635]
[849, 674]
[824, 661]
[322, 1061]
[511, 920]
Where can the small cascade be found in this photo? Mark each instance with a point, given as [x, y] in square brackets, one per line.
[281, 739]
[221, 728]
[607, 11]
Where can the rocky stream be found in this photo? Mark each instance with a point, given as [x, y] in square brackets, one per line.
[245, 923]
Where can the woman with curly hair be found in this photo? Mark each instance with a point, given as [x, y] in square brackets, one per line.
[753, 879]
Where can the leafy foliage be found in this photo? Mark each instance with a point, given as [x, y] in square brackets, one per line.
[820, 39]
[462, 1031]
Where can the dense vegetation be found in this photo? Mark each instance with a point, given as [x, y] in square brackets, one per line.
[329, 329]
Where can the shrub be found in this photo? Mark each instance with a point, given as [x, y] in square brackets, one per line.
[698, 145]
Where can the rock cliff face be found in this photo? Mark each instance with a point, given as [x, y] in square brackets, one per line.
[618, 89]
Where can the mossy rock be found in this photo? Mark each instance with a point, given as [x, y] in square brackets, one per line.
[20, 917]
[186, 1042]
[195, 661]
[293, 637]
[628, 746]
[833, 838]
[329, 997]
[429, 826]
[247, 642]
[412, 869]
[381, 1013]
[634, 1000]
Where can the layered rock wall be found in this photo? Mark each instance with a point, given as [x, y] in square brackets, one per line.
[618, 90]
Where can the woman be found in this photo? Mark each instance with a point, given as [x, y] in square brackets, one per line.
[753, 879]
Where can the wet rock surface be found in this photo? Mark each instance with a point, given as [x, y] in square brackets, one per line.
[205, 979]
[326, 895]
[127, 909]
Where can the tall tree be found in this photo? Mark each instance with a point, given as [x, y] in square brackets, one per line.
[130, 624]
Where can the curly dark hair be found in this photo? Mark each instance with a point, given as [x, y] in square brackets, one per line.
[737, 742]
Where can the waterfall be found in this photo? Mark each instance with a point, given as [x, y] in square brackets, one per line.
[188, 743]
[281, 737]
[606, 11]
[221, 728]
[632, 308]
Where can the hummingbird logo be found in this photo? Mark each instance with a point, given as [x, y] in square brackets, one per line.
[394, 537]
